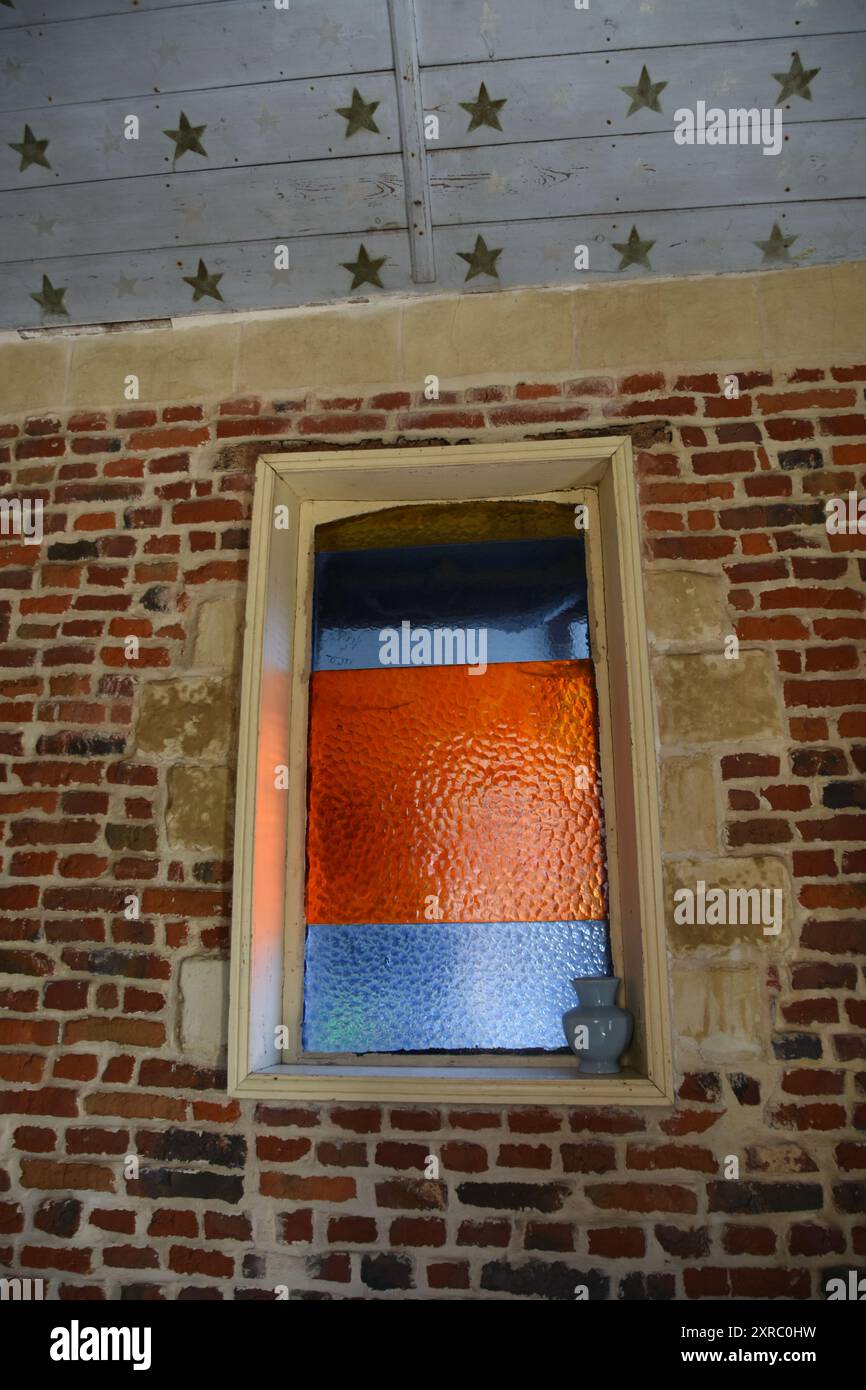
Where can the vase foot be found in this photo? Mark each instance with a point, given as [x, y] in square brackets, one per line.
[599, 1068]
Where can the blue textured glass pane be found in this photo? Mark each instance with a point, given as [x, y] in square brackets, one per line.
[446, 986]
[528, 596]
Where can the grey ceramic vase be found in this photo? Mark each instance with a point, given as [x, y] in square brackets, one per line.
[608, 1027]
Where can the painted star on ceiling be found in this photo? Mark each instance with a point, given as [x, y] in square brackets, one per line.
[31, 150]
[267, 120]
[12, 70]
[634, 251]
[50, 300]
[167, 52]
[482, 260]
[365, 270]
[44, 226]
[187, 137]
[795, 83]
[646, 93]
[483, 110]
[124, 286]
[203, 283]
[111, 141]
[329, 33]
[359, 116]
[776, 248]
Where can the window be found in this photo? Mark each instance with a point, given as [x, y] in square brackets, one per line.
[437, 640]
[456, 878]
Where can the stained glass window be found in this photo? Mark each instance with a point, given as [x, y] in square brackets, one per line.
[456, 878]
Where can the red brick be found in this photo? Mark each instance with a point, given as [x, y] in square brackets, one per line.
[417, 1231]
[120, 1222]
[535, 414]
[366, 1120]
[449, 1274]
[524, 1156]
[343, 424]
[617, 1242]
[211, 1263]
[749, 1240]
[813, 1082]
[548, 1235]
[724, 461]
[67, 1177]
[296, 1227]
[349, 1230]
[294, 1188]
[176, 438]
[227, 1226]
[535, 391]
[486, 1234]
[643, 1197]
[641, 383]
[806, 400]
[461, 1157]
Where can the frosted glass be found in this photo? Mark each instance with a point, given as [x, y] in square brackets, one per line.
[446, 986]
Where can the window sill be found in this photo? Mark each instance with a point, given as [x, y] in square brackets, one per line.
[450, 1085]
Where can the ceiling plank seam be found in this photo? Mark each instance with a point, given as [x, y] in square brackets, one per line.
[404, 40]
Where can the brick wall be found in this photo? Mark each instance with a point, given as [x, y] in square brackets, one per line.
[103, 781]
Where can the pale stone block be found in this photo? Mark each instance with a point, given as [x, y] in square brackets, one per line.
[688, 805]
[718, 1012]
[171, 365]
[709, 699]
[354, 345]
[618, 326]
[789, 298]
[686, 607]
[191, 717]
[761, 872]
[217, 639]
[200, 809]
[848, 281]
[483, 335]
[33, 376]
[204, 1001]
[713, 318]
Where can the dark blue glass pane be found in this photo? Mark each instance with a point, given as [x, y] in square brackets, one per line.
[446, 986]
[529, 598]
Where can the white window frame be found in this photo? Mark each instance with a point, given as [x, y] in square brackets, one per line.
[270, 823]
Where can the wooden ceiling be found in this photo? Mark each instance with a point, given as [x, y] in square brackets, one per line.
[303, 128]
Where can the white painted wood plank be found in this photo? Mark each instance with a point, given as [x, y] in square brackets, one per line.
[575, 96]
[692, 241]
[265, 123]
[275, 201]
[461, 31]
[61, 11]
[418, 218]
[148, 284]
[192, 47]
[635, 172]
[114, 288]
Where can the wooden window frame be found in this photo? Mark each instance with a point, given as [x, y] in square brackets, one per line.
[270, 823]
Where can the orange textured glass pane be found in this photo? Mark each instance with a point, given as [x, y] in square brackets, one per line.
[436, 794]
